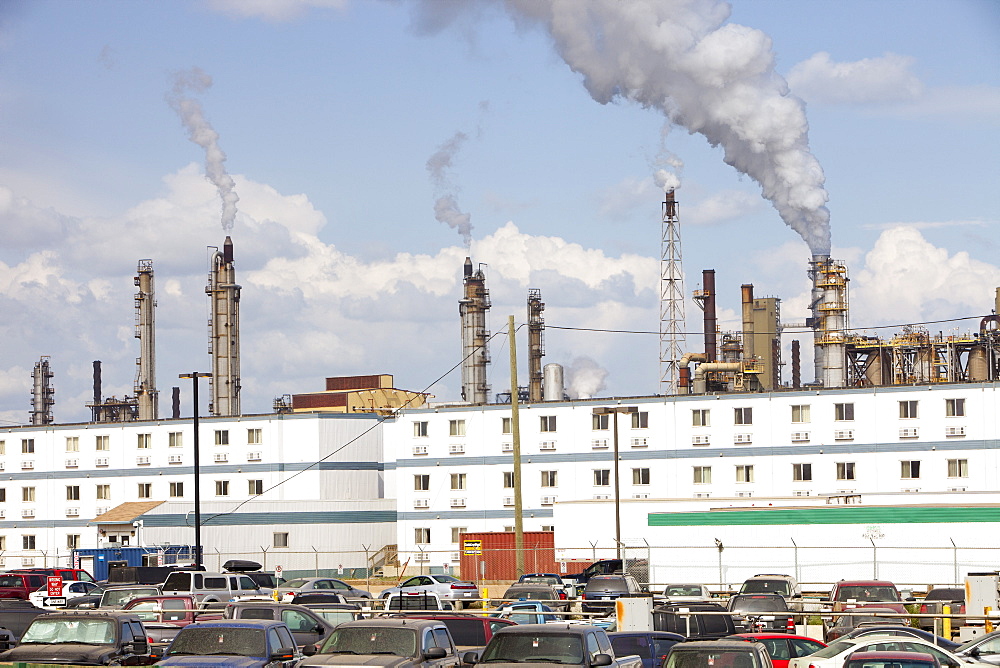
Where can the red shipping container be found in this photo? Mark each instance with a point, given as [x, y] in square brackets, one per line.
[492, 555]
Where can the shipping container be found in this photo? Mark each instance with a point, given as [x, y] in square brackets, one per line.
[491, 555]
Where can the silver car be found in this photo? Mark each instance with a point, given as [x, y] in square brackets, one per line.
[447, 587]
[288, 590]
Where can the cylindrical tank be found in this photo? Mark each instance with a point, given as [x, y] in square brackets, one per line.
[873, 371]
[979, 367]
[553, 388]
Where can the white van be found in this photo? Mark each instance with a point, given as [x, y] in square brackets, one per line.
[208, 587]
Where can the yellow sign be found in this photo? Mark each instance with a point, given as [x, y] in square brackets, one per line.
[472, 547]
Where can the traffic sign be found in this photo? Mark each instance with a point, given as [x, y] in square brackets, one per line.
[54, 585]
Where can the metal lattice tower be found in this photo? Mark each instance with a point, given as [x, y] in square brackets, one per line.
[671, 297]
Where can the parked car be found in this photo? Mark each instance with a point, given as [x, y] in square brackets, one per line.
[679, 593]
[554, 598]
[782, 646]
[844, 624]
[335, 613]
[549, 579]
[762, 612]
[892, 660]
[526, 612]
[114, 598]
[209, 587]
[70, 589]
[319, 597]
[934, 602]
[984, 648]
[291, 588]
[77, 574]
[20, 585]
[247, 643]
[848, 594]
[415, 600]
[579, 645]
[395, 642]
[448, 587]
[771, 583]
[718, 654]
[650, 646]
[835, 653]
[602, 591]
[694, 621]
[16, 614]
[90, 637]
[889, 629]
[467, 631]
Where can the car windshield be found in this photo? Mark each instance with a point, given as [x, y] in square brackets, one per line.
[63, 631]
[682, 590]
[833, 649]
[530, 594]
[758, 604]
[335, 616]
[119, 597]
[707, 657]
[295, 584]
[765, 587]
[209, 640]
[534, 648]
[446, 578]
[11, 581]
[371, 640]
[867, 593]
[541, 579]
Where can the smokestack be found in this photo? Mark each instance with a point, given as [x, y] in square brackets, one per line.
[472, 309]
[175, 403]
[710, 322]
[97, 381]
[227, 250]
[796, 365]
[536, 326]
[146, 394]
[224, 332]
[41, 393]
[829, 320]
[468, 267]
[748, 329]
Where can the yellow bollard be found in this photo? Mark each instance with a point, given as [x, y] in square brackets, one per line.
[946, 622]
[989, 625]
[486, 597]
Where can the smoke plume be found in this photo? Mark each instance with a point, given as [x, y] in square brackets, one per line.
[200, 131]
[713, 78]
[446, 206]
[585, 378]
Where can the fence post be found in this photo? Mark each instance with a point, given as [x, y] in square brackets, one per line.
[795, 552]
[315, 560]
[954, 558]
[720, 547]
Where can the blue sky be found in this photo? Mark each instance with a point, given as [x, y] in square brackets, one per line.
[328, 112]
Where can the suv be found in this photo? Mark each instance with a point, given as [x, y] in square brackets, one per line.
[848, 594]
[66, 574]
[694, 621]
[762, 612]
[602, 591]
[20, 585]
[769, 583]
[210, 587]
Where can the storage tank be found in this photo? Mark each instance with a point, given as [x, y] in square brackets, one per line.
[553, 387]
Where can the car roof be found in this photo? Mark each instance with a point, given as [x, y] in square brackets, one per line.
[230, 623]
[396, 621]
[694, 645]
[572, 629]
[874, 583]
[646, 634]
[751, 636]
[893, 656]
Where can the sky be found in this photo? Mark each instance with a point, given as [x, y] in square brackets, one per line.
[357, 151]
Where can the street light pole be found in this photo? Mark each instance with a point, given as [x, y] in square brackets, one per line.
[614, 411]
[194, 376]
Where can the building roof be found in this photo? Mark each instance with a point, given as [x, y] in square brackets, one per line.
[125, 513]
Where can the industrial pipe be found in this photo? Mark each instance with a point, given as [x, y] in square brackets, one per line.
[700, 381]
[685, 373]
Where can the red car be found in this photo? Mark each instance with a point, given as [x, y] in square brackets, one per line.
[19, 585]
[782, 646]
[848, 594]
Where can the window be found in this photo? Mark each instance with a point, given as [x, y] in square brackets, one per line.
[505, 427]
[958, 468]
[27, 542]
[28, 494]
[700, 417]
[744, 473]
[800, 413]
[640, 420]
[222, 437]
[421, 482]
[600, 421]
[144, 441]
[548, 423]
[3, 447]
[255, 487]
[702, 475]
[456, 533]
[843, 412]
[145, 490]
[255, 436]
[3, 494]
[742, 416]
[72, 492]
[907, 409]
[602, 477]
[103, 492]
[954, 407]
[456, 427]
[102, 442]
[72, 541]
[421, 535]
[548, 527]
[845, 471]
[802, 471]
[550, 478]
[508, 479]
[280, 539]
[27, 446]
[419, 429]
[910, 469]
[222, 488]
[72, 444]
[3, 543]
[175, 439]
[458, 481]
[640, 476]
[176, 489]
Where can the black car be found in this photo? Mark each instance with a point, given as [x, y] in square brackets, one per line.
[603, 590]
[651, 646]
[762, 612]
[694, 621]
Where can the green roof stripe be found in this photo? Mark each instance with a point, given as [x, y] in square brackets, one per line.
[828, 515]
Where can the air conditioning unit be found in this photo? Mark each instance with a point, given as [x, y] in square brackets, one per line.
[506, 447]
[253, 456]
[72, 512]
[845, 491]
[421, 503]
[3, 513]
[457, 503]
[802, 492]
[742, 438]
[456, 449]
[700, 439]
[910, 490]
[28, 561]
[744, 493]
[909, 432]
[640, 496]
[221, 457]
[174, 459]
[508, 500]
[548, 500]
[800, 437]
[27, 464]
[100, 510]
[456, 556]
[639, 442]
[420, 449]
[27, 512]
[599, 443]
[547, 445]
[143, 460]
[1, 466]
[702, 495]
[843, 435]
[599, 497]
[421, 557]
[954, 431]
[101, 461]
[72, 463]
[957, 489]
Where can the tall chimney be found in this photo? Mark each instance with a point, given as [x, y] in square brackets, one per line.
[747, 302]
[536, 327]
[711, 323]
[224, 332]
[796, 365]
[472, 310]
[147, 397]
[175, 403]
[829, 320]
[41, 393]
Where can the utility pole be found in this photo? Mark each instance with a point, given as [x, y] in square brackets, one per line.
[515, 428]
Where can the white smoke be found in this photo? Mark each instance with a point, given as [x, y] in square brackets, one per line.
[446, 206]
[711, 77]
[585, 378]
[200, 131]
[666, 181]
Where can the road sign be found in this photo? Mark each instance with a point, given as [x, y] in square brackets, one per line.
[472, 547]
[53, 585]
[277, 571]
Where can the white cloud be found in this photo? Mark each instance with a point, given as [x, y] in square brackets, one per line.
[273, 10]
[929, 225]
[883, 80]
[723, 207]
[619, 201]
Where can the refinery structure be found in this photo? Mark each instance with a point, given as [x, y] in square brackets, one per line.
[375, 476]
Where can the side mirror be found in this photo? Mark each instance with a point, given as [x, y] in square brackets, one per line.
[974, 652]
[470, 658]
[309, 650]
[435, 653]
[602, 660]
[283, 654]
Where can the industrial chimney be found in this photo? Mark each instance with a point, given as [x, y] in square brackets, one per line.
[224, 332]
[41, 393]
[145, 330]
[536, 326]
[829, 320]
[472, 309]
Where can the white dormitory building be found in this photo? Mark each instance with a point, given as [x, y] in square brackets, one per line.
[331, 490]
